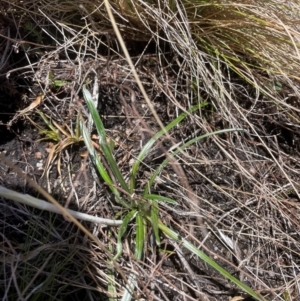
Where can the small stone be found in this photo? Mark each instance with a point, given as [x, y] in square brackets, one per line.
[39, 165]
[38, 155]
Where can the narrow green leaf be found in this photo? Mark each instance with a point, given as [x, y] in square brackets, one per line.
[154, 221]
[105, 147]
[122, 231]
[140, 236]
[99, 166]
[150, 143]
[60, 83]
[53, 134]
[179, 149]
[160, 198]
[167, 231]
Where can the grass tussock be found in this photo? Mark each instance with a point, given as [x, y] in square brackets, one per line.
[201, 164]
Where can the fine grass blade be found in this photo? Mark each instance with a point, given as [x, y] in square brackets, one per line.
[179, 149]
[50, 125]
[95, 158]
[105, 147]
[122, 231]
[154, 221]
[160, 198]
[167, 231]
[99, 166]
[140, 236]
[155, 198]
[150, 143]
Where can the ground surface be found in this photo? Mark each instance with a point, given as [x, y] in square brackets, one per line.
[225, 173]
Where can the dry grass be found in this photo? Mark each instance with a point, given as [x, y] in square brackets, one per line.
[241, 58]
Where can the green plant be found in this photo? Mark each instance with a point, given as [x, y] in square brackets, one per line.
[62, 135]
[242, 56]
[143, 209]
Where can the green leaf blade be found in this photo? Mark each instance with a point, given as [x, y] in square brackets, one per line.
[122, 231]
[209, 261]
[140, 236]
[105, 147]
[154, 221]
[145, 150]
[157, 197]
